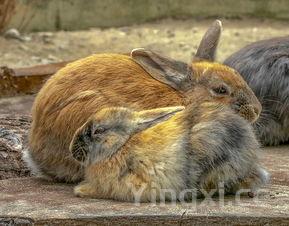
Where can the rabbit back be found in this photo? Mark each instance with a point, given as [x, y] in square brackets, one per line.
[180, 158]
[265, 67]
[54, 123]
[224, 149]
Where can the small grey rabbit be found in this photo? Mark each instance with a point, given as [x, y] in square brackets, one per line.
[130, 155]
[265, 67]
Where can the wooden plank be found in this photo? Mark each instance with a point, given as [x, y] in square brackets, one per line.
[39, 70]
[42, 202]
[28, 80]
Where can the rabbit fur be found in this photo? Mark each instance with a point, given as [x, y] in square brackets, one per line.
[265, 67]
[144, 80]
[157, 154]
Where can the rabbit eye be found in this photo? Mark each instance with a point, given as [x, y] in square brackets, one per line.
[99, 130]
[221, 90]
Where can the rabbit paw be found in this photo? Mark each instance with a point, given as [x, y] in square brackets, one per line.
[254, 181]
[84, 190]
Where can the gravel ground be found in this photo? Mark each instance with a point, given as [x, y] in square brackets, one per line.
[175, 38]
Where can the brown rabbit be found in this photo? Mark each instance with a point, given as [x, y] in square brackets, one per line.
[159, 154]
[141, 81]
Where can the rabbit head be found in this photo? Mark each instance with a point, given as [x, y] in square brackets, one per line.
[225, 84]
[110, 128]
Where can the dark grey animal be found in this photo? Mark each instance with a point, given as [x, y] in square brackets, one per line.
[265, 67]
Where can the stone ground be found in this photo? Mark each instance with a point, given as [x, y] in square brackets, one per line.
[26, 201]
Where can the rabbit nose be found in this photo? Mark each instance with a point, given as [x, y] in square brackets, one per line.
[256, 111]
[257, 108]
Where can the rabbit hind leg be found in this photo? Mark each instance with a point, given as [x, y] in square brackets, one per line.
[256, 178]
[233, 181]
[85, 189]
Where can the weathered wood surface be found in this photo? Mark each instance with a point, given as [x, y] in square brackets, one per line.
[26, 201]
[28, 80]
[29, 200]
[13, 140]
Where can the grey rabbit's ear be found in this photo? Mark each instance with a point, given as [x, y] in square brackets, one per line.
[209, 43]
[149, 118]
[174, 73]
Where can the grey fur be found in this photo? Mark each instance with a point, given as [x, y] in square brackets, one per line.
[209, 43]
[231, 149]
[265, 67]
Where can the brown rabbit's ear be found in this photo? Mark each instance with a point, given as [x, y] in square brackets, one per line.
[149, 118]
[209, 43]
[174, 73]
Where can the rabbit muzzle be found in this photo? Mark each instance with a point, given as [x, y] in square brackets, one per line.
[247, 111]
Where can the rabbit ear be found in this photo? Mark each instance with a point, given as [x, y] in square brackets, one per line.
[78, 147]
[174, 73]
[149, 118]
[209, 43]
